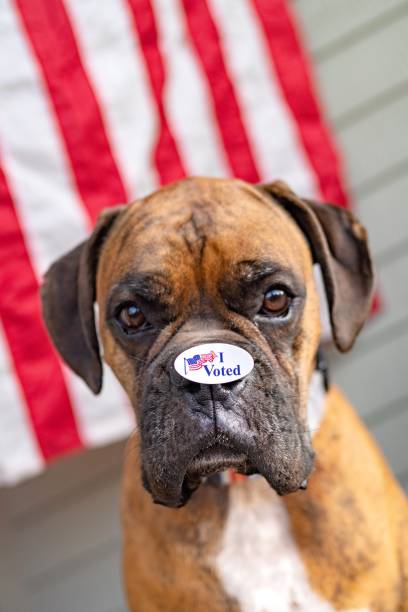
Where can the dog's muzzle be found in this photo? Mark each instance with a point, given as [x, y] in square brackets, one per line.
[204, 442]
[191, 430]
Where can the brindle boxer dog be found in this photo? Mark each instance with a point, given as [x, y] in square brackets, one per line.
[209, 260]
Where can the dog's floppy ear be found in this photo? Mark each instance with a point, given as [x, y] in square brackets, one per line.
[339, 244]
[68, 295]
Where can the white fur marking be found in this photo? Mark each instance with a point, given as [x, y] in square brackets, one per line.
[316, 401]
[258, 562]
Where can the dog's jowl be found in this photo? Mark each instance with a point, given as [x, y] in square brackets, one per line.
[269, 494]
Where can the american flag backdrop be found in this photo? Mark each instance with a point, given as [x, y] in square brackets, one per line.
[102, 101]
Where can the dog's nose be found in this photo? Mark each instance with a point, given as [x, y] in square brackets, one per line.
[193, 387]
[204, 393]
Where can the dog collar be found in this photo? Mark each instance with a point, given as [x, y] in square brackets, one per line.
[319, 385]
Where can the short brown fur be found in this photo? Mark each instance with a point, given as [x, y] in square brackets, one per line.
[351, 523]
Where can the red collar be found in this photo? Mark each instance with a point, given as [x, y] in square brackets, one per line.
[228, 478]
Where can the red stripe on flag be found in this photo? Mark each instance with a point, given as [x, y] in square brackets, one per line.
[35, 361]
[166, 156]
[294, 72]
[75, 104]
[206, 40]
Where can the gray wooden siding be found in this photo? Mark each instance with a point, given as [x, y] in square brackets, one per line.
[59, 533]
[361, 57]
[60, 537]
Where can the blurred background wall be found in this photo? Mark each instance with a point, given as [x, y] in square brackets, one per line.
[59, 533]
[360, 54]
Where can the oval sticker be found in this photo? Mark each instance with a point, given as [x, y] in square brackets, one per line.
[214, 363]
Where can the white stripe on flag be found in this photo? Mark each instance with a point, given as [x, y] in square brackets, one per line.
[105, 35]
[278, 151]
[19, 454]
[187, 96]
[50, 212]
[104, 418]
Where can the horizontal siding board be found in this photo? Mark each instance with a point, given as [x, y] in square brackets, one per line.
[386, 230]
[385, 177]
[361, 73]
[77, 527]
[388, 411]
[376, 143]
[92, 588]
[329, 22]
[62, 480]
[372, 379]
[392, 437]
[393, 281]
[404, 480]
[12, 594]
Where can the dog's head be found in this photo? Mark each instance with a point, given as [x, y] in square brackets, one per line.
[204, 261]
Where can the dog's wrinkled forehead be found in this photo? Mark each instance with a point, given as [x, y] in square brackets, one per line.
[193, 243]
[193, 233]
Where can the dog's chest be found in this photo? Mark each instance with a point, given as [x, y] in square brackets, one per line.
[258, 562]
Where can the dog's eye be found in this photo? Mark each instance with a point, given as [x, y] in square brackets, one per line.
[276, 302]
[130, 317]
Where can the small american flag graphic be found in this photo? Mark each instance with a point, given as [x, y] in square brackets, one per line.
[102, 102]
[197, 361]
